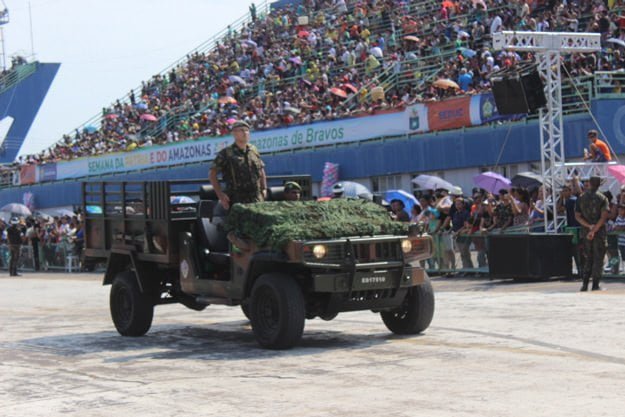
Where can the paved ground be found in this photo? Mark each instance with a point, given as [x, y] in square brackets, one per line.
[495, 348]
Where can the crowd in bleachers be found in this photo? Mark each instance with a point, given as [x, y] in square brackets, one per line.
[323, 60]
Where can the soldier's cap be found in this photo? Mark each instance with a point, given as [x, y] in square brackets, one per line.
[292, 185]
[240, 123]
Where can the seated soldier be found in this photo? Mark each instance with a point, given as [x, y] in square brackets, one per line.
[292, 191]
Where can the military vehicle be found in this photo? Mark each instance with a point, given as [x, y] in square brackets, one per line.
[169, 242]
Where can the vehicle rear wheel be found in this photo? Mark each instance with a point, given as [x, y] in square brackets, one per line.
[131, 311]
[277, 311]
[416, 312]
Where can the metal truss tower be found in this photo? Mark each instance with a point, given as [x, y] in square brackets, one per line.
[548, 48]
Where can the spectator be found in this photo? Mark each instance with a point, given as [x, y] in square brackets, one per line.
[397, 211]
[461, 228]
[599, 151]
[619, 227]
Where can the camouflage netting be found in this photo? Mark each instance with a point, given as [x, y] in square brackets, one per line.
[274, 224]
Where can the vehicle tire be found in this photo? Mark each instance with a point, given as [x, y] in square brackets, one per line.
[131, 311]
[277, 311]
[245, 308]
[416, 312]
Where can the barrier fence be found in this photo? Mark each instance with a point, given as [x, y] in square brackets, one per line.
[454, 254]
[62, 256]
[467, 254]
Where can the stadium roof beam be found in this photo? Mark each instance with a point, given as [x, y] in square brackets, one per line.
[548, 47]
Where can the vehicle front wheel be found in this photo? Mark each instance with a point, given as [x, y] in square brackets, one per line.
[416, 312]
[131, 311]
[277, 311]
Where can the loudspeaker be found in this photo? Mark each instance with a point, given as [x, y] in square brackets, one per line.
[519, 90]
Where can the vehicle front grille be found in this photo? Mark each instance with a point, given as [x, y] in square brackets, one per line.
[365, 252]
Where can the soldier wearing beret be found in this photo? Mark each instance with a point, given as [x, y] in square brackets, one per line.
[591, 212]
[242, 170]
[292, 191]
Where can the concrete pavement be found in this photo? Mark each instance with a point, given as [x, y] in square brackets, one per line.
[495, 348]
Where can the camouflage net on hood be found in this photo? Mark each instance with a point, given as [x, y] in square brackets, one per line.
[274, 224]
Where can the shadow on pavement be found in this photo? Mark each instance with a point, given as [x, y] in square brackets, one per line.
[224, 341]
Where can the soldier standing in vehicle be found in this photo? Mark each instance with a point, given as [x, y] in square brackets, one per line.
[241, 168]
[591, 212]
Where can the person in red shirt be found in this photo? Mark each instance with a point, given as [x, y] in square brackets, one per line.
[599, 150]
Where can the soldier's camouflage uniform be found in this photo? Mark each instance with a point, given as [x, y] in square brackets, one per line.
[591, 205]
[241, 171]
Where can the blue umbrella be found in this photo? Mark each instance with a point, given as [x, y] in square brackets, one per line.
[468, 53]
[94, 209]
[90, 129]
[408, 199]
[141, 105]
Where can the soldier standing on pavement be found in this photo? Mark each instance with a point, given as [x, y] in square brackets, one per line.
[591, 212]
[241, 168]
[14, 237]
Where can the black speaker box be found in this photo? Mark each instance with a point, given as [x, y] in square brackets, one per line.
[518, 91]
[530, 256]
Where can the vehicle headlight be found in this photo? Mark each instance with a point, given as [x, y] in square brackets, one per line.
[319, 251]
[406, 245]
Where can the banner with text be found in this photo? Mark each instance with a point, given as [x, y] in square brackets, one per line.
[276, 140]
[418, 118]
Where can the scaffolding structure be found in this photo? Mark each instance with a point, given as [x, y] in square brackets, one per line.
[548, 48]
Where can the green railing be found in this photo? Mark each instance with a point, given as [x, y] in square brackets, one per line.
[16, 75]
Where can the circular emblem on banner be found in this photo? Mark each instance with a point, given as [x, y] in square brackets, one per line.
[184, 269]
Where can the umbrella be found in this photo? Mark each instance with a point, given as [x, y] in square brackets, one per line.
[468, 53]
[148, 117]
[231, 120]
[227, 100]
[463, 34]
[141, 105]
[491, 181]
[527, 179]
[376, 51]
[617, 41]
[293, 110]
[237, 79]
[480, 2]
[250, 43]
[350, 87]
[90, 129]
[180, 199]
[303, 33]
[296, 60]
[62, 212]
[431, 182]
[111, 116]
[338, 92]
[93, 209]
[17, 208]
[618, 172]
[445, 83]
[411, 38]
[355, 190]
[408, 199]
[448, 4]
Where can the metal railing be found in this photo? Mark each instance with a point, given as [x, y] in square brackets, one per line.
[16, 75]
[63, 256]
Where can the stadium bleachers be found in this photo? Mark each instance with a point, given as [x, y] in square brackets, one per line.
[321, 60]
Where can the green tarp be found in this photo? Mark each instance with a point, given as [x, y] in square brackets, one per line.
[274, 224]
